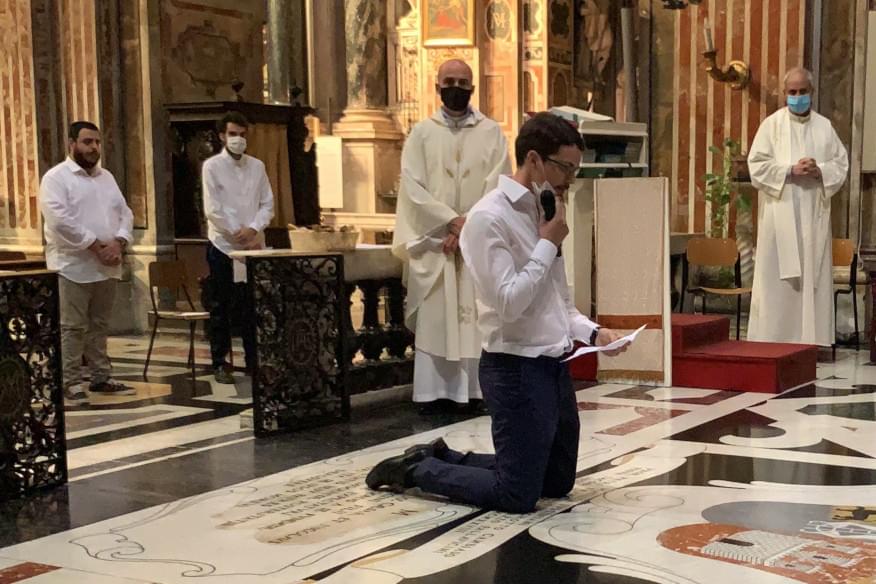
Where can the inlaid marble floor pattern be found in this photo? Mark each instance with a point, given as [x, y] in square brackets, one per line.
[675, 486]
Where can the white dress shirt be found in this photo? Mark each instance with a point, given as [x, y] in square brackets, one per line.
[237, 194]
[524, 307]
[78, 209]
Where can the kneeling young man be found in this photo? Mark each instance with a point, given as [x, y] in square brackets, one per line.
[528, 323]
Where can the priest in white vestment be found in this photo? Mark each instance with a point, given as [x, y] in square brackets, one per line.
[449, 162]
[797, 163]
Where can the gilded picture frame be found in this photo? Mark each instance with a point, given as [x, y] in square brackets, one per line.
[448, 23]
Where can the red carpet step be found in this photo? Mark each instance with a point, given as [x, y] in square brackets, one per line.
[745, 366]
[690, 331]
[704, 358]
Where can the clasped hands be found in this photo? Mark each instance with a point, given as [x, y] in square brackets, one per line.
[109, 253]
[246, 238]
[806, 168]
[451, 240]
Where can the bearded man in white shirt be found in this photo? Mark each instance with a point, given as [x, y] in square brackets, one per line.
[449, 162]
[87, 226]
[239, 204]
[528, 323]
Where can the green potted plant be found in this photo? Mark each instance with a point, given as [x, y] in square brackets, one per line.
[722, 190]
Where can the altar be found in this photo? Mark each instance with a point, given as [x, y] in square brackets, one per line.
[310, 356]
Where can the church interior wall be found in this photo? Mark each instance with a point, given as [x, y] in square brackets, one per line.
[19, 172]
[836, 93]
[690, 112]
[527, 55]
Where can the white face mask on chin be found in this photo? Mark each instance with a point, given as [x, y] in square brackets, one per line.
[236, 145]
[539, 188]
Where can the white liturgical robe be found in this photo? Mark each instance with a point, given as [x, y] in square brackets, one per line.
[447, 166]
[793, 284]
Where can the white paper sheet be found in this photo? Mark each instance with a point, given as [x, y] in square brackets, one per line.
[609, 347]
[239, 271]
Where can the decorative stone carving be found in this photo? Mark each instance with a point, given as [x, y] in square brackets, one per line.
[499, 20]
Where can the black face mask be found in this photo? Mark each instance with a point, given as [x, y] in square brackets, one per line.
[455, 98]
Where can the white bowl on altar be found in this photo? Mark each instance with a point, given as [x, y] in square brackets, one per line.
[319, 241]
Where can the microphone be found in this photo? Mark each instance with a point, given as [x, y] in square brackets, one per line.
[549, 204]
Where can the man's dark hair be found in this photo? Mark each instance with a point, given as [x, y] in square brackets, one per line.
[545, 133]
[232, 118]
[77, 127]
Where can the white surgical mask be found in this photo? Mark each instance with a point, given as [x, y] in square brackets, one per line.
[539, 188]
[236, 144]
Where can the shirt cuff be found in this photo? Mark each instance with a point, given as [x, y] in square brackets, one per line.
[545, 252]
[88, 240]
[582, 328]
[124, 235]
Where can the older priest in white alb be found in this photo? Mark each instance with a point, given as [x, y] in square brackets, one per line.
[449, 162]
[798, 163]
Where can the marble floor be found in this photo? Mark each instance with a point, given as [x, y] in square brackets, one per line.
[675, 486]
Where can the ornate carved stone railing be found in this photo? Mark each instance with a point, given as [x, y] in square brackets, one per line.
[377, 352]
[32, 447]
[311, 357]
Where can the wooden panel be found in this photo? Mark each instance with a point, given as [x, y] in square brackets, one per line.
[629, 322]
[869, 161]
[632, 283]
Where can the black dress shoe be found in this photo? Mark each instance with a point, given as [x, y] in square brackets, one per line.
[475, 406]
[437, 448]
[395, 472]
[437, 407]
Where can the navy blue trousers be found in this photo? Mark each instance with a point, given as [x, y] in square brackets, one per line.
[227, 298]
[535, 430]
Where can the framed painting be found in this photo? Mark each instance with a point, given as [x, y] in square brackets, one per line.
[448, 23]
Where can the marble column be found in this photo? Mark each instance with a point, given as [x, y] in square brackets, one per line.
[372, 138]
[279, 15]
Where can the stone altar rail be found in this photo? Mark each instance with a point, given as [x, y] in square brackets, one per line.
[310, 357]
[33, 453]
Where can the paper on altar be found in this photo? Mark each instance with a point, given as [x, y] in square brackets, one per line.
[239, 270]
[609, 347]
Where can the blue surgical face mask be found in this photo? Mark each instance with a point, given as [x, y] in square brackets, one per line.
[799, 104]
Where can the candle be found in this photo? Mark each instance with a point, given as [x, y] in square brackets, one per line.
[710, 46]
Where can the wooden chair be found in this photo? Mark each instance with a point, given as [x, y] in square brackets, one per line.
[172, 276]
[12, 256]
[845, 256]
[709, 251]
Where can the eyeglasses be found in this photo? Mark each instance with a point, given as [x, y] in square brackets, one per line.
[567, 167]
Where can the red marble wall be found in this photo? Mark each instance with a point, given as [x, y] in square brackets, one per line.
[19, 174]
[769, 36]
[78, 45]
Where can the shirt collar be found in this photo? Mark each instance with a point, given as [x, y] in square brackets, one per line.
[512, 189]
[472, 118]
[74, 167]
[227, 154]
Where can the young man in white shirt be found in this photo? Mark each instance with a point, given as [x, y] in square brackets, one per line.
[239, 204]
[88, 226]
[528, 323]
